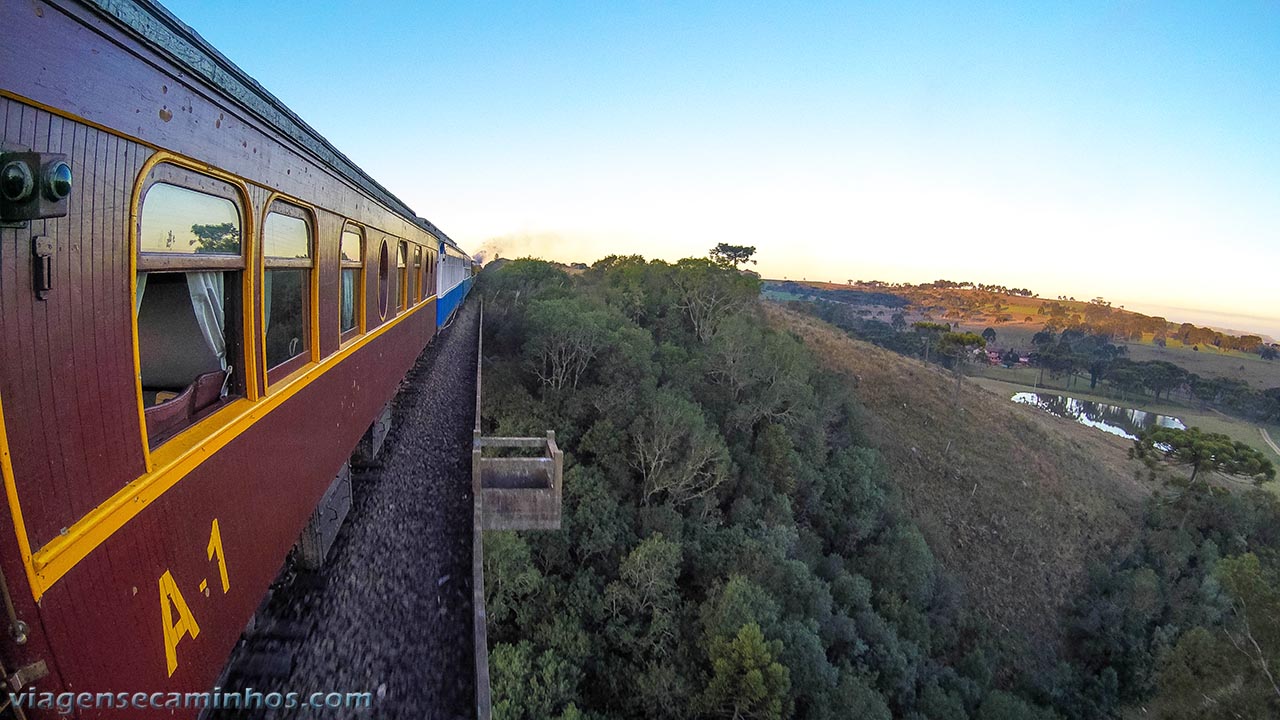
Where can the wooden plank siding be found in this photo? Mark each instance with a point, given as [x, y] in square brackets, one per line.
[74, 389]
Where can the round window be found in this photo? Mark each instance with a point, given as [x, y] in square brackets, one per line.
[384, 268]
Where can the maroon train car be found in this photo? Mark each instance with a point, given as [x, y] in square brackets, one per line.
[204, 307]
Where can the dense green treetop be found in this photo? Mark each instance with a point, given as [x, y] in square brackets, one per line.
[732, 255]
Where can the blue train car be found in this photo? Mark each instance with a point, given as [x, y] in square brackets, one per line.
[453, 280]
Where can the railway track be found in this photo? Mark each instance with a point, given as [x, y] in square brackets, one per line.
[391, 611]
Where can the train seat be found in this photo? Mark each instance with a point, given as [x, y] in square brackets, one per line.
[175, 413]
[181, 375]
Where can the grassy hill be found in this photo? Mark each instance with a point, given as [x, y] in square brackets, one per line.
[1013, 501]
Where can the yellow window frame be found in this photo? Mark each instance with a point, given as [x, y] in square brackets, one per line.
[362, 270]
[299, 209]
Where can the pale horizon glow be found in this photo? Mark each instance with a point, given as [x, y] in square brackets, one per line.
[1123, 150]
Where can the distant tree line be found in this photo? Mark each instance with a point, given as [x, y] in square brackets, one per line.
[1072, 351]
[1099, 318]
[965, 300]
[841, 295]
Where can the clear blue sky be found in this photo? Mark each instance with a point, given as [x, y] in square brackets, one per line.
[1126, 149]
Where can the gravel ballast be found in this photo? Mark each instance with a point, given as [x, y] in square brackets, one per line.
[390, 613]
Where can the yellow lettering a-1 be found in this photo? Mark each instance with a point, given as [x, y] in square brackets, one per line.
[171, 601]
[215, 548]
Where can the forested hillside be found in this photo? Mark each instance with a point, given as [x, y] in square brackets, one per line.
[1013, 501]
[734, 546]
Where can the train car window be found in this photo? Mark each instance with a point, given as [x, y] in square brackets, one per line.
[450, 270]
[384, 285]
[189, 298]
[444, 271]
[286, 289]
[431, 273]
[417, 275]
[407, 275]
[179, 221]
[351, 310]
[402, 291]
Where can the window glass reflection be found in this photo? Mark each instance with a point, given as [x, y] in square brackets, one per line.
[176, 220]
[285, 237]
[351, 247]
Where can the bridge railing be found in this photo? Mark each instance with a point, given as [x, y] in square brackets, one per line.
[480, 623]
[515, 485]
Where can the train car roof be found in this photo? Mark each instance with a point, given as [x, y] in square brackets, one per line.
[162, 29]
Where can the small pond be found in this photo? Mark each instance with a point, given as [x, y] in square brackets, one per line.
[1122, 421]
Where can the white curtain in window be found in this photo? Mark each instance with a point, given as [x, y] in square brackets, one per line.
[137, 300]
[266, 302]
[348, 298]
[206, 289]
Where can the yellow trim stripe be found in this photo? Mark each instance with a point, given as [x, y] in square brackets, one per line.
[173, 461]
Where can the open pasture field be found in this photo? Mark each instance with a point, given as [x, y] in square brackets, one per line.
[1211, 362]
